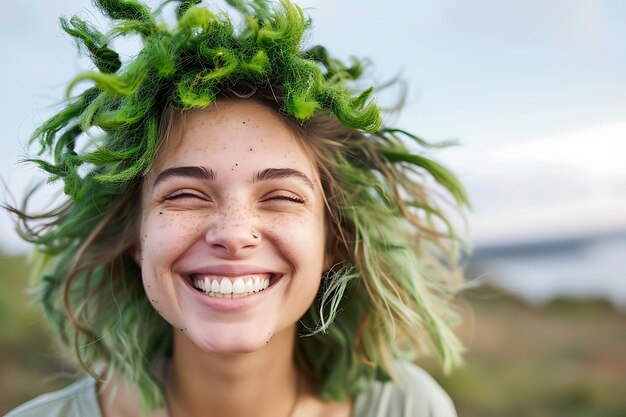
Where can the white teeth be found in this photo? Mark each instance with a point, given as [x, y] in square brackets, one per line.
[238, 286]
[224, 287]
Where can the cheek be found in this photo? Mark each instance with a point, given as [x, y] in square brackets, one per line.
[302, 239]
[165, 234]
[164, 238]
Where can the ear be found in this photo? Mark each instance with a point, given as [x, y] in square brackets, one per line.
[332, 254]
[329, 247]
[329, 259]
[134, 250]
[135, 254]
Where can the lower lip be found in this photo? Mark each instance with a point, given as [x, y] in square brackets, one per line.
[232, 305]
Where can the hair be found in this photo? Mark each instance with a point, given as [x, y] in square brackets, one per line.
[395, 251]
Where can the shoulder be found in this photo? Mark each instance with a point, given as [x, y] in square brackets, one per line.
[77, 400]
[416, 394]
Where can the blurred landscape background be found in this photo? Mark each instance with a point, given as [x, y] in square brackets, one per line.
[562, 358]
[535, 94]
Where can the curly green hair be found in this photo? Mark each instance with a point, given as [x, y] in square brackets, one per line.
[388, 296]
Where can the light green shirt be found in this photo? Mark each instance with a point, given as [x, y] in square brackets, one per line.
[419, 396]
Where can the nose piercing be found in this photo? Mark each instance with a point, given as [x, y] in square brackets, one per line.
[255, 235]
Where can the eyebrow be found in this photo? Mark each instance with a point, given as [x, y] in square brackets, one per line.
[281, 173]
[200, 173]
[208, 174]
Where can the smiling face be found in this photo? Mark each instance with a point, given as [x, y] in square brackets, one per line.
[232, 205]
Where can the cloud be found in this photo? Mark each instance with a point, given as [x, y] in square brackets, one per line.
[566, 184]
[596, 151]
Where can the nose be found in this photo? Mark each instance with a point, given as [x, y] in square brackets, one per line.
[232, 233]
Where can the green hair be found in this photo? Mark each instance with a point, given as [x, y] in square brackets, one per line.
[387, 296]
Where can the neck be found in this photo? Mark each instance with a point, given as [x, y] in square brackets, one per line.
[261, 383]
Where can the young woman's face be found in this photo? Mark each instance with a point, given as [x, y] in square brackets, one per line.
[234, 206]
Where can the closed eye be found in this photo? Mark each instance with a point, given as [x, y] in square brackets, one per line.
[289, 198]
[285, 197]
[184, 194]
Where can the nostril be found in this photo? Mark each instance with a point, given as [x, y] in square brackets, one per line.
[233, 239]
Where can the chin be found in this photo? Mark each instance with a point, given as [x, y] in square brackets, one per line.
[232, 342]
[232, 347]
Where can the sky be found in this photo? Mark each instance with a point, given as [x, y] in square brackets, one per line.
[533, 91]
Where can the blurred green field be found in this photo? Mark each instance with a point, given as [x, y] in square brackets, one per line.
[29, 362]
[565, 359]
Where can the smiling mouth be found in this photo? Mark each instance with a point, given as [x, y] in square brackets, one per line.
[231, 287]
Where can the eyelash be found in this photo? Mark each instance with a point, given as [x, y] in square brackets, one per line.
[288, 198]
[185, 194]
[181, 194]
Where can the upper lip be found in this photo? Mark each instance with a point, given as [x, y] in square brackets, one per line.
[228, 270]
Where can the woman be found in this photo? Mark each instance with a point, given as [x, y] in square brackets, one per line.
[241, 236]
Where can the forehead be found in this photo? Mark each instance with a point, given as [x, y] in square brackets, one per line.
[230, 129]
